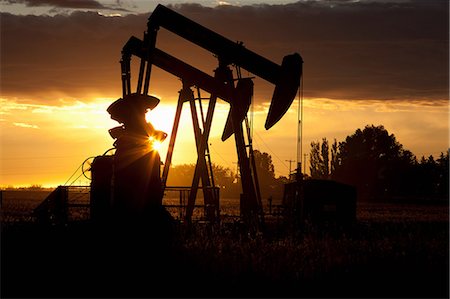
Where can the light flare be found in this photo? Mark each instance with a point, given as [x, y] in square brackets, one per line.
[155, 144]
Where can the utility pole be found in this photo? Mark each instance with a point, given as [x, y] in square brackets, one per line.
[290, 162]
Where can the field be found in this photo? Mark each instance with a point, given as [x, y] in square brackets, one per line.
[394, 250]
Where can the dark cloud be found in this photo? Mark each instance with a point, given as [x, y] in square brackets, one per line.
[352, 50]
[71, 55]
[91, 4]
[59, 6]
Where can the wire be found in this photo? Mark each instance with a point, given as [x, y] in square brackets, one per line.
[273, 153]
[82, 168]
[73, 174]
[75, 179]
[220, 156]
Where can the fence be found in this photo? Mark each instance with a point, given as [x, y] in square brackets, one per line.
[176, 201]
[64, 204]
[72, 203]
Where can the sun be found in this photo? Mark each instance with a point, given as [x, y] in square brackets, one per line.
[161, 117]
[156, 145]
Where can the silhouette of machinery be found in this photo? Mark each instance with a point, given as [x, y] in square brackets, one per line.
[134, 169]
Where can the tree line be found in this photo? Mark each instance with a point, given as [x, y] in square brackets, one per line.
[229, 181]
[379, 167]
[370, 159]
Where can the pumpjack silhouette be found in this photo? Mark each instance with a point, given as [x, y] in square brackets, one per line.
[134, 172]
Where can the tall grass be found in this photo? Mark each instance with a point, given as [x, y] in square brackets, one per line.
[392, 251]
[400, 258]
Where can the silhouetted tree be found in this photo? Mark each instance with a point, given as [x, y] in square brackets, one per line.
[374, 161]
[224, 179]
[264, 166]
[315, 160]
[432, 177]
[182, 175]
[269, 185]
[325, 167]
[443, 170]
[320, 160]
[334, 157]
[223, 176]
[377, 164]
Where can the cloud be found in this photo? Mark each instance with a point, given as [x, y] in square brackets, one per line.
[62, 3]
[24, 125]
[74, 55]
[65, 6]
[351, 50]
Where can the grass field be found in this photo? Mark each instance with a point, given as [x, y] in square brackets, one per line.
[394, 250]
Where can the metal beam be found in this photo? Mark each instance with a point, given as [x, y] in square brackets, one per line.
[227, 50]
[189, 74]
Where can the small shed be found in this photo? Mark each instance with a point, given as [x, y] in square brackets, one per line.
[320, 201]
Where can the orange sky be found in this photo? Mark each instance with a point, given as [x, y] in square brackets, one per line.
[59, 77]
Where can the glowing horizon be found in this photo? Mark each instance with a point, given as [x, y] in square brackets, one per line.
[44, 144]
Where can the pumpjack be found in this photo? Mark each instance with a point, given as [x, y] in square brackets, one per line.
[134, 170]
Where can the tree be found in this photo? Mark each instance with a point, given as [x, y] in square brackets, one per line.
[319, 160]
[443, 170]
[315, 160]
[264, 166]
[377, 164]
[182, 175]
[224, 179]
[433, 177]
[334, 157]
[325, 167]
[223, 176]
[269, 185]
[374, 161]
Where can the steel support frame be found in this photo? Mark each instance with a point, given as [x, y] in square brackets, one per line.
[201, 169]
